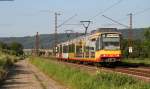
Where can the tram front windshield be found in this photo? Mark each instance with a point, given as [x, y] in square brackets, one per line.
[111, 41]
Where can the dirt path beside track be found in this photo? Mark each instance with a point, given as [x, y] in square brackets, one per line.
[23, 75]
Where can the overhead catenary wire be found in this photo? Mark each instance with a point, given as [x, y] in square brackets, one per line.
[99, 12]
[118, 2]
[115, 21]
[67, 20]
[105, 10]
[136, 13]
[72, 24]
[142, 11]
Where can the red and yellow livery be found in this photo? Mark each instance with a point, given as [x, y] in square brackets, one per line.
[100, 46]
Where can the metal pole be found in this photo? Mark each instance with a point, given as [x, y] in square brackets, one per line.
[37, 44]
[55, 35]
[86, 28]
[86, 25]
[130, 34]
[130, 29]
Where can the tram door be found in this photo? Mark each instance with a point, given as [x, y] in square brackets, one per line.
[92, 48]
[79, 51]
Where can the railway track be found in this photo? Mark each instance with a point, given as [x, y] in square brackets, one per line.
[138, 72]
[135, 72]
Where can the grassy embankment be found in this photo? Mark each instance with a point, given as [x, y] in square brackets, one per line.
[78, 79]
[5, 62]
[140, 61]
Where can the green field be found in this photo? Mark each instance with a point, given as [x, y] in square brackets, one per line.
[140, 61]
[77, 79]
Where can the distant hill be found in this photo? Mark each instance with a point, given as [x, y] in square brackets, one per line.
[137, 33]
[47, 40]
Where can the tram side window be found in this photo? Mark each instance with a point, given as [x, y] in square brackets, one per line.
[60, 49]
[65, 49]
[91, 48]
[71, 48]
[57, 49]
[98, 44]
[86, 49]
[78, 49]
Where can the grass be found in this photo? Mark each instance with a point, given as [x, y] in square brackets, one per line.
[77, 79]
[144, 61]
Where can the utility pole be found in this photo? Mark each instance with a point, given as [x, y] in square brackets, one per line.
[56, 40]
[130, 34]
[37, 44]
[85, 25]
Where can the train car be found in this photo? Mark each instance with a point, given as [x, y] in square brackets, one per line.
[102, 45]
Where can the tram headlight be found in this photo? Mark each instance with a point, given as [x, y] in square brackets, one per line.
[118, 55]
[103, 55]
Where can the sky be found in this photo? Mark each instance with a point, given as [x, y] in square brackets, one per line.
[26, 17]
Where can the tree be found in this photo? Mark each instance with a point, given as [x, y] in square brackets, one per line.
[147, 34]
[3, 45]
[16, 48]
[124, 47]
[146, 43]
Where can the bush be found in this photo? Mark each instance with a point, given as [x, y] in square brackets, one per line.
[5, 62]
[3, 74]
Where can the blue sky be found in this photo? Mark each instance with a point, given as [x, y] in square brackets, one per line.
[26, 17]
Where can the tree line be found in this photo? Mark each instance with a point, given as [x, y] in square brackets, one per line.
[141, 47]
[13, 48]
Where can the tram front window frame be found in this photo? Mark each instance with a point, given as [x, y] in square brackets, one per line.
[111, 41]
[108, 41]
